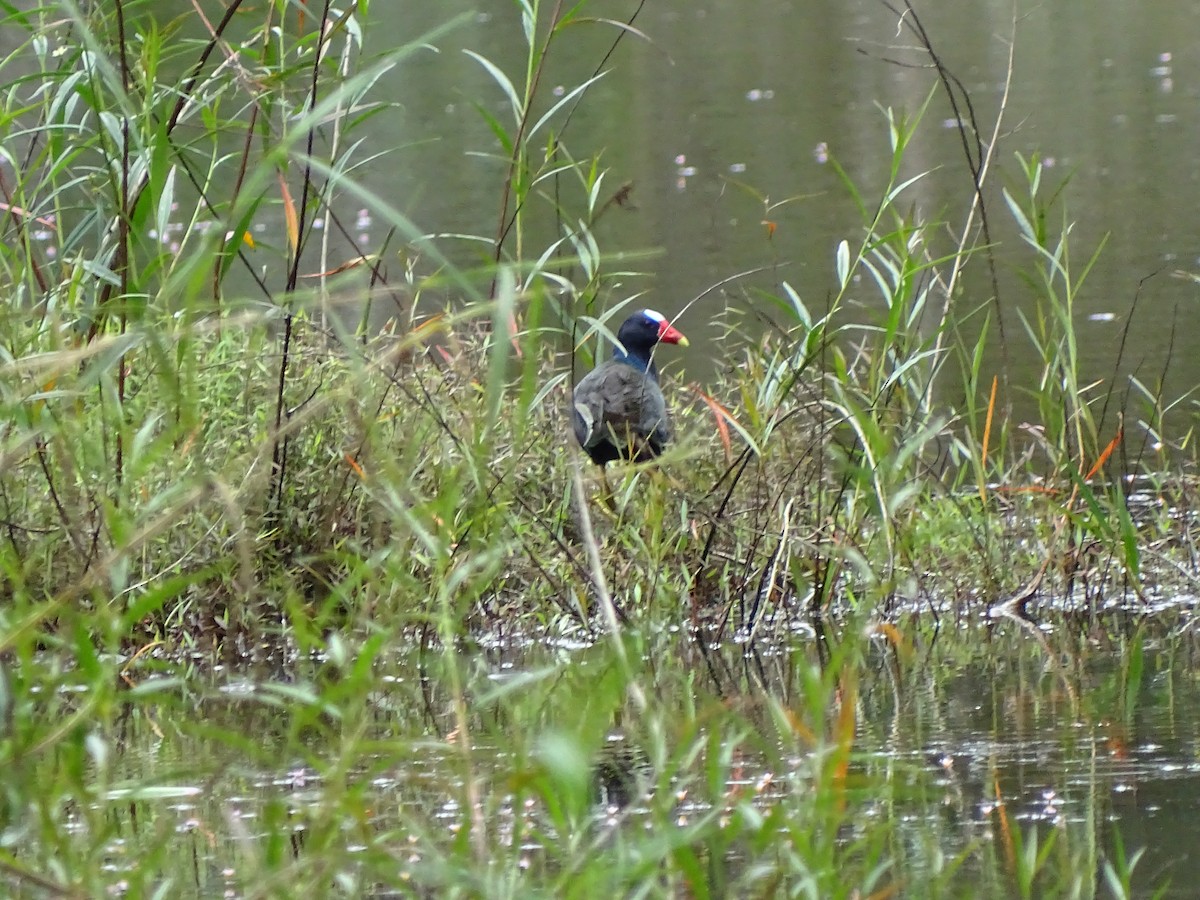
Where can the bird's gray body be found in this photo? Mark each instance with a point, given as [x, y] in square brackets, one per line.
[620, 413]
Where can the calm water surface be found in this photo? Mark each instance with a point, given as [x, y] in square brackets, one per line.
[982, 730]
[731, 108]
[734, 101]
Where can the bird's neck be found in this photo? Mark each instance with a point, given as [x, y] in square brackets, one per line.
[639, 360]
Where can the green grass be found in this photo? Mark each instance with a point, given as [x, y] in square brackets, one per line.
[201, 488]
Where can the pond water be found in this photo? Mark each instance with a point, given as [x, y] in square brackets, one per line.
[727, 110]
[961, 739]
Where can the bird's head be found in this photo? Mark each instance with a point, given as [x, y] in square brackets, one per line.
[642, 330]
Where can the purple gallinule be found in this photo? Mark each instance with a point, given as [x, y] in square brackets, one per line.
[619, 410]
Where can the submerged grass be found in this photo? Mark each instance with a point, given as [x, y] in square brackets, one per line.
[189, 478]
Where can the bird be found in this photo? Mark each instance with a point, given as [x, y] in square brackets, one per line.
[619, 411]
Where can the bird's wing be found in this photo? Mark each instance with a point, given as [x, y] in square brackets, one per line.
[633, 403]
[589, 409]
[619, 403]
[654, 423]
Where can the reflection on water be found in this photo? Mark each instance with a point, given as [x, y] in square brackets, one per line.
[731, 110]
[974, 733]
[1059, 737]
[725, 119]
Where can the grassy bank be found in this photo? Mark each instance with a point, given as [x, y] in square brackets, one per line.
[241, 518]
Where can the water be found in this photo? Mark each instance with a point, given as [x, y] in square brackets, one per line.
[960, 737]
[726, 117]
[728, 105]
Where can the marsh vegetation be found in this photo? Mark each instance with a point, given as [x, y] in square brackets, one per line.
[307, 589]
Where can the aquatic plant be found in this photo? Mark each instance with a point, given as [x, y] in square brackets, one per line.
[293, 542]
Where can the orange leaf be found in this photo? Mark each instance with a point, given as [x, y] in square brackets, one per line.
[338, 269]
[1106, 452]
[720, 414]
[1118, 747]
[799, 729]
[893, 634]
[435, 323]
[358, 470]
[512, 330]
[845, 735]
[23, 213]
[188, 443]
[770, 228]
[290, 217]
[41, 401]
[987, 436]
[1010, 850]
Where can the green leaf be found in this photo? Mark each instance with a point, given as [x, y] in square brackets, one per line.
[843, 264]
[501, 79]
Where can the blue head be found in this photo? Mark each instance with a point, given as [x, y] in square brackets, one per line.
[638, 335]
